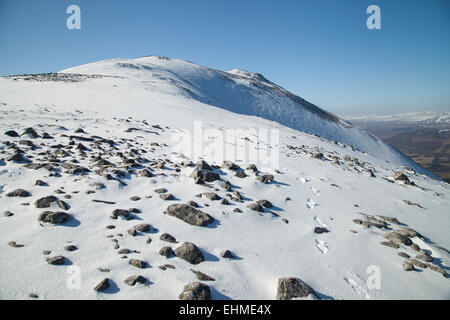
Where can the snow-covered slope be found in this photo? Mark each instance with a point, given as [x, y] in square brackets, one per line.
[129, 111]
[242, 92]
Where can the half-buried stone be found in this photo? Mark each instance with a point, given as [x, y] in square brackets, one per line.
[289, 288]
[189, 214]
[54, 217]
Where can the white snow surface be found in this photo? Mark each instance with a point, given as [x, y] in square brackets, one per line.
[173, 94]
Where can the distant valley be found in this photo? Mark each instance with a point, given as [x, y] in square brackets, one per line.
[424, 137]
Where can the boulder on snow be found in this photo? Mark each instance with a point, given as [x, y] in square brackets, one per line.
[189, 214]
[195, 291]
[289, 288]
[54, 217]
[189, 252]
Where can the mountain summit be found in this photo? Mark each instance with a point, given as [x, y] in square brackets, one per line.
[244, 93]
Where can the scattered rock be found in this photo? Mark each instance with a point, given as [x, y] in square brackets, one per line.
[422, 255]
[195, 291]
[166, 251]
[188, 214]
[131, 281]
[54, 217]
[408, 266]
[40, 183]
[166, 196]
[58, 260]
[241, 174]
[142, 227]
[8, 214]
[19, 193]
[289, 288]
[161, 190]
[205, 175]
[320, 230]
[227, 254]
[45, 202]
[403, 255]
[211, 196]
[265, 178]
[120, 212]
[102, 286]
[255, 207]
[70, 248]
[201, 276]
[390, 244]
[265, 203]
[15, 244]
[138, 263]
[12, 134]
[400, 176]
[397, 238]
[189, 252]
[168, 238]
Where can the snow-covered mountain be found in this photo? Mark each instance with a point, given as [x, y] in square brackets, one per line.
[93, 187]
[426, 117]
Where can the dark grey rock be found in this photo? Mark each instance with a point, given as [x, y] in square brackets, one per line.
[131, 281]
[19, 193]
[195, 291]
[58, 260]
[188, 214]
[168, 238]
[103, 285]
[289, 288]
[54, 217]
[189, 252]
[166, 251]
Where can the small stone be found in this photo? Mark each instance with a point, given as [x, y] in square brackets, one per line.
[241, 174]
[166, 251]
[408, 266]
[70, 248]
[15, 244]
[138, 263]
[103, 285]
[161, 190]
[202, 276]
[59, 260]
[19, 193]
[227, 254]
[8, 214]
[189, 252]
[143, 227]
[265, 203]
[168, 238]
[320, 230]
[166, 196]
[255, 207]
[403, 254]
[390, 244]
[195, 291]
[289, 288]
[131, 281]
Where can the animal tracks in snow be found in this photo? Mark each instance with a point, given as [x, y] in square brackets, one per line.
[358, 285]
[315, 191]
[311, 204]
[322, 246]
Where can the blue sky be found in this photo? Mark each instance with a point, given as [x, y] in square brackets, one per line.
[319, 50]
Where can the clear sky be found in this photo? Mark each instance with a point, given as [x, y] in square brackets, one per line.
[320, 50]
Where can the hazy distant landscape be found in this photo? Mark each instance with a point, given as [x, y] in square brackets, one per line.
[424, 137]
